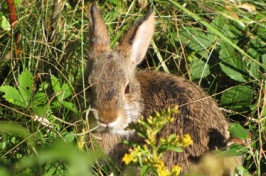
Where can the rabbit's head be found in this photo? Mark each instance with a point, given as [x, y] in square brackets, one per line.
[115, 92]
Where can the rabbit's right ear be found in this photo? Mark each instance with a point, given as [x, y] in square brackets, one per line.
[134, 44]
[99, 39]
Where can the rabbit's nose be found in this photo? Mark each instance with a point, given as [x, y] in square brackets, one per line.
[108, 116]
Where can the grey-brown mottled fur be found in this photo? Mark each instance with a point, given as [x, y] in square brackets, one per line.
[110, 72]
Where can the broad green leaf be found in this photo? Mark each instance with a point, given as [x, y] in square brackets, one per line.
[62, 92]
[12, 96]
[252, 67]
[67, 90]
[41, 111]
[221, 23]
[70, 106]
[196, 39]
[232, 64]
[237, 97]
[25, 87]
[56, 84]
[237, 131]
[5, 23]
[39, 99]
[215, 31]
[198, 68]
[234, 150]
[70, 137]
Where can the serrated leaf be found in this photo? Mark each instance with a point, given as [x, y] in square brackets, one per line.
[62, 92]
[70, 106]
[25, 87]
[237, 97]
[55, 84]
[67, 91]
[41, 111]
[12, 96]
[237, 131]
[253, 67]
[232, 64]
[198, 68]
[39, 99]
[221, 24]
[196, 39]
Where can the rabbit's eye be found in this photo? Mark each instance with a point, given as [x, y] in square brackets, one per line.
[127, 89]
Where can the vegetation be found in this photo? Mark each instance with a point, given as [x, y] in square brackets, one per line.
[149, 155]
[218, 44]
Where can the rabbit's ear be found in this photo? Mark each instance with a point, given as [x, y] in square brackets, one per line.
[99, 39]
[134, 44]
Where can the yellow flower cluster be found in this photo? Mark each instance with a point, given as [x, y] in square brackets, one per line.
[186, 140]
[133, 156]
[150, 153]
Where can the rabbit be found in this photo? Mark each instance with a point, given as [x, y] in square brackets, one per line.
[120, 95]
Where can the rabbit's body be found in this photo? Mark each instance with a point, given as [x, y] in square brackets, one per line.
[120, 95]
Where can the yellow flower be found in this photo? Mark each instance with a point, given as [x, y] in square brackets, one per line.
[127, 158]
[81, 141]
[186, 140]
[176, 170]
[161, 169]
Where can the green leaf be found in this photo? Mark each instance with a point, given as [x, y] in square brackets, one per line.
[241, 170]
[12, 96]
[5, 23]
[237, 131]
[56, 84]
[237, 97]
[41, 111]
[199, 69]
[67, 91]
[221, 23]
[234, 150]
[25, 87]
[232, 64]
[39, 99]
[252, 67]
[166, 147]
[144, 170]
[61, 92]
[196, 39]
[70, 137]
[175, 149]
[70, 106]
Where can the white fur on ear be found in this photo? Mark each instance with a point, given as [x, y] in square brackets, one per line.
[142, 38]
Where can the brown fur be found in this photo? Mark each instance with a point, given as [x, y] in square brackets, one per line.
[120, 95]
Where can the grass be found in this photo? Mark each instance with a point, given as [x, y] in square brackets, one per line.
[218, 44]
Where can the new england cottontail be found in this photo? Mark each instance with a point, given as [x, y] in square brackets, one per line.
[120, 95]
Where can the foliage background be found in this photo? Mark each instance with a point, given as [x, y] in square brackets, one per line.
[220, 45]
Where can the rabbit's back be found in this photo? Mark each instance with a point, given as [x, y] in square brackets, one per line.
[198, 114]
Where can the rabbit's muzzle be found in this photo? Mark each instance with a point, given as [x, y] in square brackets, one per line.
[111, 121]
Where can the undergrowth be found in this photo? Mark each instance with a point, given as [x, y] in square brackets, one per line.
[218, 44]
